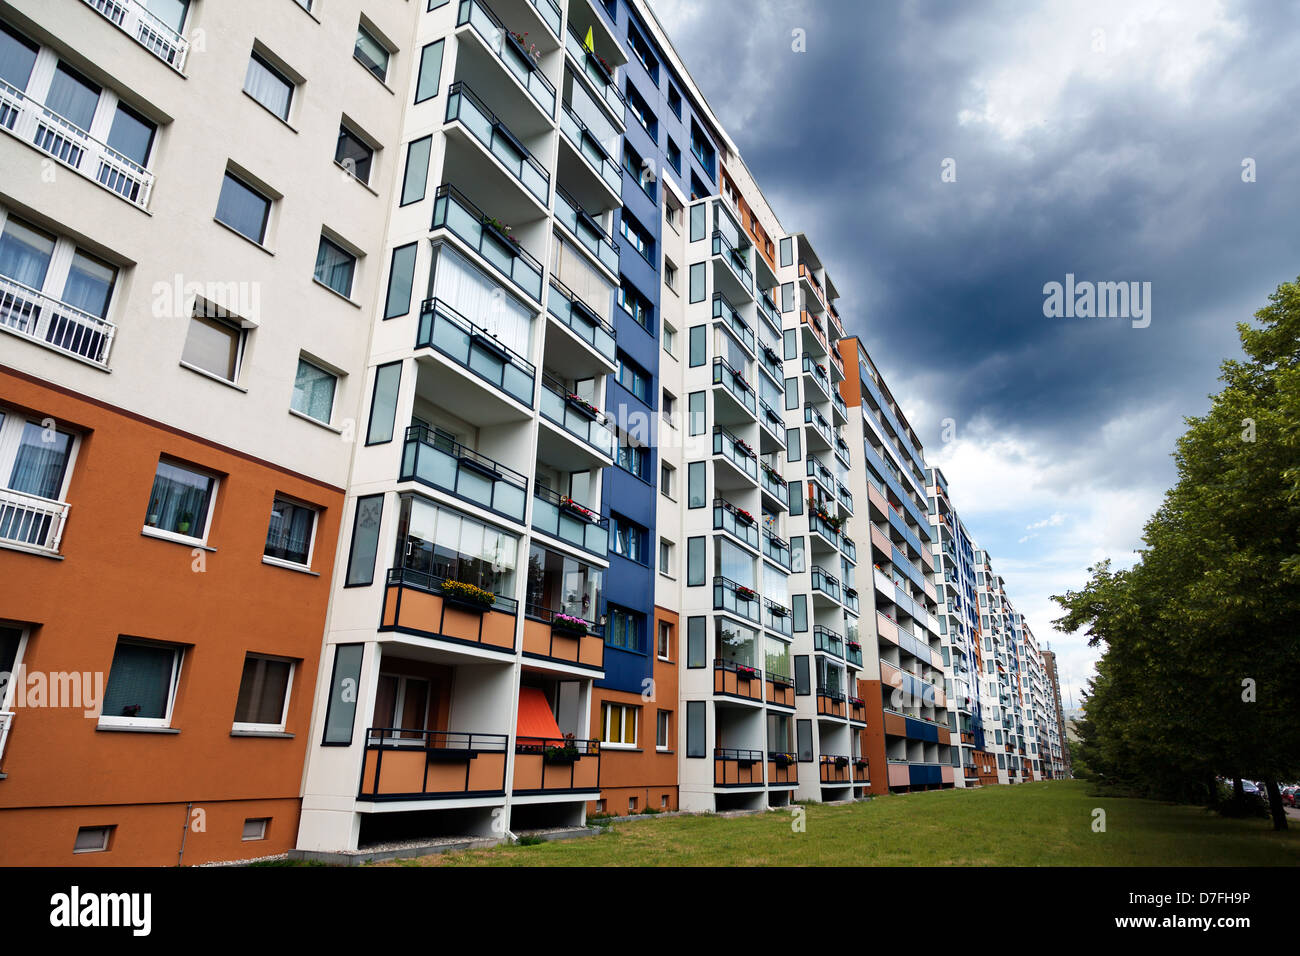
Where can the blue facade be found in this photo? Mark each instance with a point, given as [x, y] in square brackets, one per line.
[630, 585]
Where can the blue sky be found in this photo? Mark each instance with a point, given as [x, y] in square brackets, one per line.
[1103, 139]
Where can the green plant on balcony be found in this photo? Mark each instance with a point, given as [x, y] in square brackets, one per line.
[783, 760]
[771, 472]
[525, 46]
[582, 404]
[500, 228]
[743, 446]
[569, 624]
[566, 752]
[569, 504]
[841, 762]
[462, 592]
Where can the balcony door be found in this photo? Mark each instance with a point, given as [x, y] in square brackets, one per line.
[403, 703]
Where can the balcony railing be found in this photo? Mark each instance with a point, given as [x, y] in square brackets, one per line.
[771, 362]
[464, 105]
[6, 719]
[406, 764]
[818, 522]
[72, 146]
[55, 324]
[857, 710]
[32, 521]
[824, 582]
[549, 637]
[561, 517]
[851, 599]
[454, 212]
[772, 421]
[815, 418]
[741, 390]
[845, 496]
[778, 618]
[735, 261]
[814, 325]
[581, 136]
[724, 311]
[782, 768]
[835, 769]
[445, 330]
[853, 653]
[775, 485]
[133, 19]
[735, 521]
[737, 768]
[463, 472]
[556, 765]
[824, 639]
[819, 472]
[563, 303]
[524, 69]
[563, 408]
[736, 450]
[736, 598]
[767, 310]
[777, 549]
[587, 229]
[600, 78]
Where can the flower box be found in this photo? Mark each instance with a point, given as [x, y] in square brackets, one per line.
[744, 515]
[569, 504]
[744, 447]
[744, 593]
[566, 754]
[582, 405]
[744, 672]
[841, 762]
[501, 233]
[469, 596]
[783, 760]
[569, 624]
[602, 66]
[527, 50]
[860, 765]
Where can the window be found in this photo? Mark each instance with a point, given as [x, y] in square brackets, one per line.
[674, 101]
[787, 251]
[371, 54]
[290, 534]
[313, 391]
[72, 96]
[668, 481]
[698, 282]
[665, 646]
[670, 339]
[674, 156]
[633, 458]
[341, 709]
[618, 725]
[696, 405]
[93, 839]
[696, 654]
[642, 51]
[436, 543]
[180, 502]
[255, 829]
[416, 175]
[696, 484]
[803, 741]
[625, 629]
[263, 702]
[670, 275]
[698, 341]
[628, 539]
[401, 277]
[636, 305]
[668, 407]
[695, 562]
[214, 344]
[40, 458]
[637, 235]
[141, 689]
[702, 149]
[695, 727]
[243, 208]
[665, 556]
[662, 730]
[17, 57]
[268, 86]
[132, 136]
[335, 267]
[426, 85]
[633, 378]
[353, 154]
[639, 170]
[641, 110]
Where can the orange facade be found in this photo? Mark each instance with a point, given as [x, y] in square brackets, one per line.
[187, 788]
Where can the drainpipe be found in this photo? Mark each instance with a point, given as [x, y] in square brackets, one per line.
[185, 832]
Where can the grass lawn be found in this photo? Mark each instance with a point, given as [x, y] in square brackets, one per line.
[1033, 824]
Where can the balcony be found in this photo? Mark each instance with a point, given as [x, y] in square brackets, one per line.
[737, 522]
[857, 710]
[816, 373]
[820, 473]
[740, 600]
[777, 549]
[31, 523]
[577, 418]
[455, 213]
[581, 319]
[587, 230]
[824, 583]
[819, 427]
[465, 107]
[588, 146]
[133, 19]
[463, 472]
[33, 124]
[814, 339]
[599, 76]
[824, 639]
[403, 764]
[773, 433]
[851, 599]
[545, 765]
[737, 768]
[831, 703]
[844, 495]
[414, 604]
[821, 524]
[810, 280]
[725, 312]
[509, 53]
[476, 351]
[780, 690]
[54, 324]
[734, 382]
[773, 484]
[566, 520]
[853, 653]
[737, 451]
[768, 311]
[834, 770]
[782, 769]
[777, 618]
[737, 266]
[861, 770]
[561, 638]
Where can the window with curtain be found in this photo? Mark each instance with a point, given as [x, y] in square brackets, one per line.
[214, 345]
[180, 500]
[25, 253]
[243, 208]
[72, 96]
[735, 563]
[172, 12]
[478, 298]
[563, 585]
[268, 86]
[263, 692]
[619, 724]
[372, 54]
[141, 681]
[625, 630]
[627, 538]
[335, 267]
[445, 544]
[313, 391]
[17, 57]
[288, 536]
[89, 285]
[41, 462]
[131, 134]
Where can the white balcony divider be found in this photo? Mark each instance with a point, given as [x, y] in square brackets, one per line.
[32, 521]
[31, 122]
[54, 324]
[133, 19]
[6, 718]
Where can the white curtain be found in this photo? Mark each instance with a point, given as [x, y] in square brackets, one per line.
[479, 299]
[572, 268]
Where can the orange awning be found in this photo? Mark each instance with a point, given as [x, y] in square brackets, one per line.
[535, 722]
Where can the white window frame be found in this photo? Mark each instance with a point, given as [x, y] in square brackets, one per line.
[61, 259]
[266, 825]
[12, 424]
[108, 839]
[663, 729]
[207, 521]
[671, 555]
[607, 708]
[178, 658]
[249, 727]
[235, 324]
[658, 632]
[271, 63]
[311, 543]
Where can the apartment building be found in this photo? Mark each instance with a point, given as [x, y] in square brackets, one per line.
[181, 327]
[1060, 754]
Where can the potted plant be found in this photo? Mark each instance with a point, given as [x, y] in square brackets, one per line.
[745, 672]
[841, 762]
[569, 624]
[467, 595]
[566, 752]
[186, 520]
[744, 516]
[860, 763]
[744, 593]
[582, 405]
[501, 232]
[744, 448]
[569, 504]
[770, 471]
[783, 760]
[526, 49]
